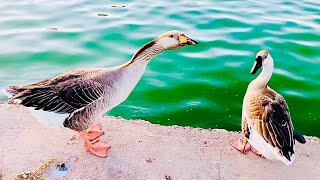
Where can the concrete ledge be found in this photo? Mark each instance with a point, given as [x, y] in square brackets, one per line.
[140, 150]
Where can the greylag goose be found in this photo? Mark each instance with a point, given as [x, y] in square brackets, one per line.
[79, 96]
[266, 121]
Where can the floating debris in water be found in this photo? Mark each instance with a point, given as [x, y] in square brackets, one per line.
[34, 175]
[117, 6]
[102, 14]
[53, 28]
[191, 2]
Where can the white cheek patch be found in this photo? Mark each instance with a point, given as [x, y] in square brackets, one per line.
[169, 43]
[267, 60]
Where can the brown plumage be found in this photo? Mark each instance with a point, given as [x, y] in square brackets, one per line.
[64, 94]
[266, 121]
[269, 114]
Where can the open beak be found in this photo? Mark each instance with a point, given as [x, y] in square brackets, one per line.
[185, 41]
[256, 65]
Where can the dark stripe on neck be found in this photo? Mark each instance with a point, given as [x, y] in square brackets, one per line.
[142, 49]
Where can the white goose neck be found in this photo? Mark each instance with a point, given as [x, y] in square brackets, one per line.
[147, 52]
[138, 63]
[264, 77]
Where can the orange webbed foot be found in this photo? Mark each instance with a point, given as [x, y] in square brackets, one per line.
[94, 132]
[256, 152]
[240, 145]
[96, 147]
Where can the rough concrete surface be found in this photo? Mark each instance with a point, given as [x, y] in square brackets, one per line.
[140, 150]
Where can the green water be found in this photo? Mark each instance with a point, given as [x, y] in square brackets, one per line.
[199, 86]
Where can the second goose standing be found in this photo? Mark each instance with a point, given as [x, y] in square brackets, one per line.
[266, 121]
[80, 96]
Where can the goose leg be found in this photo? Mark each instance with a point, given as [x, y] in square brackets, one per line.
[241, 145]
[96, 147]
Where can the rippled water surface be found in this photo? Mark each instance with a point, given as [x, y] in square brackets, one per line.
[199, 86]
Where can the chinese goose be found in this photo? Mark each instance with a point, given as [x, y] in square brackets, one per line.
[79, 96]
[266, 121]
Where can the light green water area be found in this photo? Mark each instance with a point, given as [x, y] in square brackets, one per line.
[199, 86]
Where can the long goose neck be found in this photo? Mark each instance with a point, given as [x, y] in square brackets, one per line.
[264, 77]
[145, 53]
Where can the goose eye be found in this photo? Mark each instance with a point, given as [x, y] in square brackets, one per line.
[171, 35]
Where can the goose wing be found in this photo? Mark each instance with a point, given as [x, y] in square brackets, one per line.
[63, 94]
[271, 119]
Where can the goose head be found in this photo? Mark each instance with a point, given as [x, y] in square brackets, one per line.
[174, 40]
[263, 58]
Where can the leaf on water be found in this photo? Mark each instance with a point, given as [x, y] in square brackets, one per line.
[102, 14]
[115, 6]
[53, 28]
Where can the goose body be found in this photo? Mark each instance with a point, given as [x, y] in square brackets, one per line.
[79, 96]
[269, 126]
[266, 121]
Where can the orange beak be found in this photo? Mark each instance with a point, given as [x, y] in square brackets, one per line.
[185, 40]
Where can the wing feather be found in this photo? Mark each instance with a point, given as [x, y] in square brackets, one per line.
[63, 94]
[273, 122]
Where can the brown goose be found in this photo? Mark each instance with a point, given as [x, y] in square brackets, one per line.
[79, 96]
[266, 121]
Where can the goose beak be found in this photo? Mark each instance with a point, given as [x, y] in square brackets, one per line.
[185, 40]
[256, 65]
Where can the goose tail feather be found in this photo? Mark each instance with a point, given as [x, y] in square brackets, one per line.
[299, 137]
[7, 93]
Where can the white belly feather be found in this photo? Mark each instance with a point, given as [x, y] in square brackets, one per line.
[268, 151]
[51, 118]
